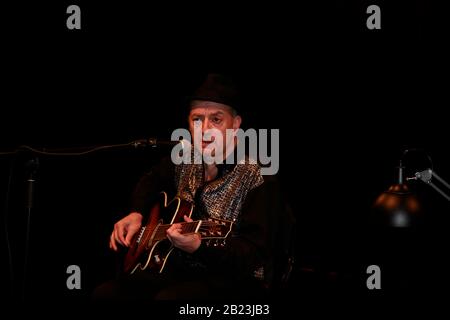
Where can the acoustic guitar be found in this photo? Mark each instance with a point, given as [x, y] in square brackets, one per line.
[150, 248]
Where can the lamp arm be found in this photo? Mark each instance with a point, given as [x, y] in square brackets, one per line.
[441, 180]
[440, 191]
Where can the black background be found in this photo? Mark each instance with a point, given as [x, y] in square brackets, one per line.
[346, 99]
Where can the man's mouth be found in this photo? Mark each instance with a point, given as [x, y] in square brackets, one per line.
[206, 143]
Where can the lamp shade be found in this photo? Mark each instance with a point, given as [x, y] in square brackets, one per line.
[397, 207]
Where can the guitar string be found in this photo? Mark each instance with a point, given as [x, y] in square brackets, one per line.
[189, 228]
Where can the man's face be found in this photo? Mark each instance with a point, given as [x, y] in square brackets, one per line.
[213, 116]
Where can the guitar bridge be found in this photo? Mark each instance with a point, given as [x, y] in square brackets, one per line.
[140, 235]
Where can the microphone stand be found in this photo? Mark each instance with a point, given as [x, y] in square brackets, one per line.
[32, 166]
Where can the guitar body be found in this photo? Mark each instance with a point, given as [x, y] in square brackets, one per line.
[150, 248]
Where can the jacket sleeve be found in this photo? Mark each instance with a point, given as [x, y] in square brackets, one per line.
[146, 193]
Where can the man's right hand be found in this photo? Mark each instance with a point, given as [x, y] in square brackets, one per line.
[125, 229]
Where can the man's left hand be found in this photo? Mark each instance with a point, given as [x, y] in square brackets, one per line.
[187, 242]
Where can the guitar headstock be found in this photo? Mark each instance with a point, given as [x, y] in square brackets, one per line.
[213, 228]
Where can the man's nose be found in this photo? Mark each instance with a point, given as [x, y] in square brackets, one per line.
[206, 125]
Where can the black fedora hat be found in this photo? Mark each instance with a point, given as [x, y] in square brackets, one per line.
[218, 88]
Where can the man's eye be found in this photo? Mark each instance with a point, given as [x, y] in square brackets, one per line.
[217, 120]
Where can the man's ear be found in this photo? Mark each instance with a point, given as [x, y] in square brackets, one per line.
[237, 122]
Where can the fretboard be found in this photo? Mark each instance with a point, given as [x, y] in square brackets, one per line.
[186, 227]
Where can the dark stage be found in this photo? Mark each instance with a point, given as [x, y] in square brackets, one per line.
[347, 101]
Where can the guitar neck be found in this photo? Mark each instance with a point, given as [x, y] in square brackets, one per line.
[186, 227]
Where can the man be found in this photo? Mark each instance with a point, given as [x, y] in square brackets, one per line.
[232, 190]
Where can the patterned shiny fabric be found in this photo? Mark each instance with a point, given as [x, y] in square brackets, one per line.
[223, 197]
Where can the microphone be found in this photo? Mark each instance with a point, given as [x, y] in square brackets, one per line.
[155, 142]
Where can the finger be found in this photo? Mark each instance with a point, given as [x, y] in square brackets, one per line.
[120, 233]
[187, 219]
[130, 234]
[173, 233]
[112, 242]
[174, 228]
[170, 229]
[116, 238]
